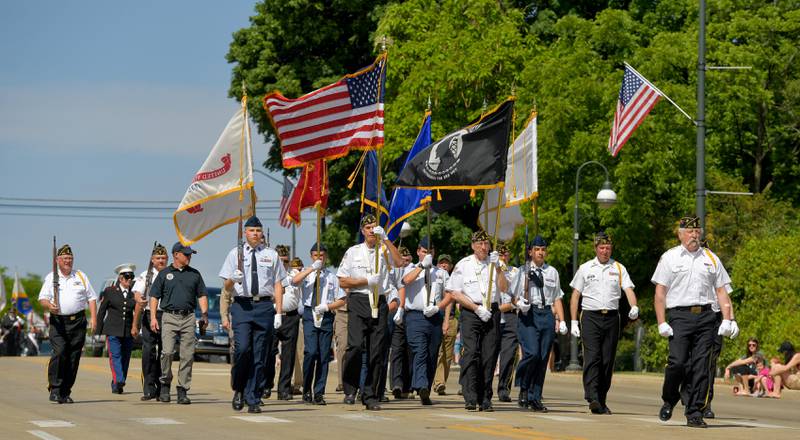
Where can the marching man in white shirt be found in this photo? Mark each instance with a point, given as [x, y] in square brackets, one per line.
[425, 298]
[600, 281]
[67, 323]
[689, 279]
[367, 307]
[321, 295]
[480, 319]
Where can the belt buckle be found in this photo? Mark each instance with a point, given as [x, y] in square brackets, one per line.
[73, 317]
[696, 309]
[604, 311]
[539, 306]
[256, 298]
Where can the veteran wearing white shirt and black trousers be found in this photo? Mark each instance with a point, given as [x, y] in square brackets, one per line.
[255, 312]
[689, 279]
[600, 282]
[425, 299]
[67, 323]
[367, 320]
[480, 319]
[151, 338]
[541, 313]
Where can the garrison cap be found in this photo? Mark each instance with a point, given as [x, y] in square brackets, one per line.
[159, 249]
[502, 247]
[689, 222]
[318, 247]
[179, 247]
[602, 238]
[425, 242]
[480, 235]
[282, 250]
[404, 251]
[367, 219]
[253, 222]
[64, 250]
[444, 257]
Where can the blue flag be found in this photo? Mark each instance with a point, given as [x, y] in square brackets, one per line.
[370, 187]
[407, 201]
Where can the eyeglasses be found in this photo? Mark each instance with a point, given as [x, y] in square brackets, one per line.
[752, 345]
[128, 275]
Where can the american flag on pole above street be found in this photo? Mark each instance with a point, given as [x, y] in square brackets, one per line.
[636, 98]
[288, 188]
[327, 122]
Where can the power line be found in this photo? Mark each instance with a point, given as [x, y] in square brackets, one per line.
[110, 208]
[115, 217]
[34, 199]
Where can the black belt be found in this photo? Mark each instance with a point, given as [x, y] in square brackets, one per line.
[291, 313]
[693, 309]
[602, 311]
[252, 298]
[70, 317]
[179, 312]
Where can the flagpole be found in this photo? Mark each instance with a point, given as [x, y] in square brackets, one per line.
[375, 293]
[488, 299]
[316, 284]
[660, 92]
[430, 251]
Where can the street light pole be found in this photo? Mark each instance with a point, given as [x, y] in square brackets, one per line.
[605, 198]
[293, 254]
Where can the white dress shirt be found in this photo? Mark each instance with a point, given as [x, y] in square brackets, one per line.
[471, 277]
[74, 292]
[269, 268]
[329, 290]
[138, 286]
[691, 278]
[359, 262]
[552, 285]
[416, 290]
[601, 285]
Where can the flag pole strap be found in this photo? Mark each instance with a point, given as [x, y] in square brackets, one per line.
[660, 93]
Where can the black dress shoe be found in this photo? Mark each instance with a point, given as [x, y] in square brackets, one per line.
[696, 422]
[504, 398]
[183, 399]
[339, 388]
[147, 397]
[373, 406]
[284, 396]
[54, 395]
[237, 403]
[666, 412]
[65, 399]
[708, 414]
[307, 399]
[383, 399]
[522, 401]
[536, 406]
[319, 400]
[595, 407]
[253, 409]
[260, 402]
[397, 393]
[163, 394]
[470, 406]
[487, 406]
[267, 393]
[349, 399]
[607, 410]
[425, 396]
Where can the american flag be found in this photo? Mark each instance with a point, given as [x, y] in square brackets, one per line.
[327, 122]
[288, 188]
[636, 98]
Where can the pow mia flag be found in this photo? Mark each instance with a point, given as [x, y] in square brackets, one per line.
[473, 157]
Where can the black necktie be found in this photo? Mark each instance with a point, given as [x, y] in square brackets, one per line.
[540, 285]
[316, 292]
[253, 275]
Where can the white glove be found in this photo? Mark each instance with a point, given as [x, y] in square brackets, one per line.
[322, 308]
[523, 305]
[373, 280]
[430, 311]
[665, 330]
[316, 265]
[633, 315]
[278, 321]
[379, 232]
[237, 276]
[494, 258]
[725, 328]
[576, 331]
[734, 329]
[562, 327]
[483, 313]
[427, 262]
[398, 316]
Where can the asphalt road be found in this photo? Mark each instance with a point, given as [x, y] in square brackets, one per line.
[25, 412]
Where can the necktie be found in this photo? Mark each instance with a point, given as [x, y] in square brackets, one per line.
[253, 275]
[541, 286]
[316, 292]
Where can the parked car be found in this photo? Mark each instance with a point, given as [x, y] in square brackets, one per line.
[215, 341]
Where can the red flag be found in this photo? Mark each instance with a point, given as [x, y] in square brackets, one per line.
[311, 190]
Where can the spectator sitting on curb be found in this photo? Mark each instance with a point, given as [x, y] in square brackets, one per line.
[786, 375]
[744, 369]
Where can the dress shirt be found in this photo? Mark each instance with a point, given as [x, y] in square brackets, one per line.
[74, 292]
[416, 290]
[471, 277]
[691, 278]
[552, 285]
[270, 270]
[601, 285]
[138, 286]
[359, 262]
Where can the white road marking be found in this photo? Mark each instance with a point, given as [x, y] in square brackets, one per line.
[53, 423]
[464, 417]
[157, 421]
[757, 425]
[261, 419]
[655, 419]
[43, 435]
[363, 417]
[562, 418]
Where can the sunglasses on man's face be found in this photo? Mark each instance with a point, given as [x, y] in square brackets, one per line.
[127, 276]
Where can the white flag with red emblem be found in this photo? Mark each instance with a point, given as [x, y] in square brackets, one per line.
[223, 187]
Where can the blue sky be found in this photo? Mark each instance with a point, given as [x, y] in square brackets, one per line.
[122, 101]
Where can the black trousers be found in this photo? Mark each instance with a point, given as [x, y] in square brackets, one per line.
[600, 334]
[286, 336]
[67, 336]
[400, 359]
[151, 355]
[364, 333]
[690, 352]
[480, 342]
[509, 345]
[716, 349]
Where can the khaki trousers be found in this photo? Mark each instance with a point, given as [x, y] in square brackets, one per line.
[446, 356]
[340, 339]
[182, 327]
